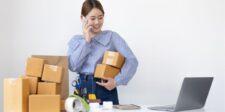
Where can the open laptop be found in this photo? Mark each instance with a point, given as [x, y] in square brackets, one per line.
[193, 95]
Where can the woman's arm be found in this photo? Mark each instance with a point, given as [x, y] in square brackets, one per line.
[77, 52]
[131, 63]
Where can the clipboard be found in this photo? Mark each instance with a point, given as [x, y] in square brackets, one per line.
[127, 107]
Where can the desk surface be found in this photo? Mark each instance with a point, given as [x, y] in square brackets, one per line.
[145, 109]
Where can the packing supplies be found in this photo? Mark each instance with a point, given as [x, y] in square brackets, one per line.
[48, 88]
[103, 70]
[63, 62]
[52, 73]
[16, 93]
[75, 103]
[62, 105]
[34, 67]
[113, 58]
[44, 103]
[91, 96]
[33, 82]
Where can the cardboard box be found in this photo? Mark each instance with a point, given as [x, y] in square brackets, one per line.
[62, 105]
[52, 73]
[16, 93]
[63, 62]
[103, 70]
[44, 103]
[34, 67]
[113, 58]
[33, 83]
[48, 88]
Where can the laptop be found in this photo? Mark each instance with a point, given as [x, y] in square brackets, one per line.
[193, 95]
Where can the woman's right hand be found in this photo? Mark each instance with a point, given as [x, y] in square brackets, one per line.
[88, 34]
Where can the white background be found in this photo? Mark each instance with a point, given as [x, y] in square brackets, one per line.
[171, 39]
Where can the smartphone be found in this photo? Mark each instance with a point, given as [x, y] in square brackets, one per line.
[86, 20]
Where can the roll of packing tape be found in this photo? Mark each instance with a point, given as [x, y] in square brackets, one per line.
[73, 104]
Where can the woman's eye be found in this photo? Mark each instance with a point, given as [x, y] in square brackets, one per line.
[100, 17]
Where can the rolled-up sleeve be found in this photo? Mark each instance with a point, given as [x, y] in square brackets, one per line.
[131, 63]
[77, 52]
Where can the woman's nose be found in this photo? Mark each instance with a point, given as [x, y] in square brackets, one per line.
[96, 21]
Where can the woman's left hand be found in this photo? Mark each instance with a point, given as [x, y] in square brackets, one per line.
[110, 83]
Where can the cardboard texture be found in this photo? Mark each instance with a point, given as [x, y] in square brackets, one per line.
[113, 58]
[16, 93]
[44, 103]
[62, 105]
[33, 82]
[48, 88]
[52, 73]
[34, 67]
[103, 70]
[63, 62]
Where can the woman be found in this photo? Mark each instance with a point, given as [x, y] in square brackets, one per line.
[86, 51]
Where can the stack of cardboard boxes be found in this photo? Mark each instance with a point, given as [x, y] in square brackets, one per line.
[48, 89]
[111, 65]
[39, 90]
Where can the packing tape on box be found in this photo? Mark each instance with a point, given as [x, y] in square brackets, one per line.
[53, 67]
[111, 54]
[76, 104]
[109, 61]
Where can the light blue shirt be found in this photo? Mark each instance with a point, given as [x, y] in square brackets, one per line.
[84, 56]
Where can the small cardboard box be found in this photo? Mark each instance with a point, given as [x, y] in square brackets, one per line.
[113, 58]
[34, 67]
[103, 70]
[16, 93]
[44, 103]
[52, 73]
[48, 88]
[33, 82]
[59, 61]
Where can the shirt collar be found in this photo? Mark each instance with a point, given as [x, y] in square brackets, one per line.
[103, 37]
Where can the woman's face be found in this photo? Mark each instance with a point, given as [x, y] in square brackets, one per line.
[95, 18]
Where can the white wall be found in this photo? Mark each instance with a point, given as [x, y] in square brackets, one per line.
[5, 37]
[5, 45]
[171, 39]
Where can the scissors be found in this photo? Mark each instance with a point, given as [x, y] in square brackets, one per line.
[76, 86]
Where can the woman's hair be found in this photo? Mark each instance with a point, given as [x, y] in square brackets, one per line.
[88, 5]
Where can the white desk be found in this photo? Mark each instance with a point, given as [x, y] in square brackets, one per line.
[145, 109]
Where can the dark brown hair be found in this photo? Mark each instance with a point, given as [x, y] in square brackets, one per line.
[88, 5]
